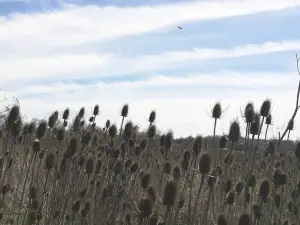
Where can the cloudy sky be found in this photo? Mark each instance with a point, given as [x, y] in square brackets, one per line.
[56, 54]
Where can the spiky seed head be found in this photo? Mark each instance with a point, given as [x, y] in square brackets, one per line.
[249, 115]
[211, 181]
[41, 130]
[65, 123]
[239, 187]
[198, 145]
[217, 111]
[290, 126]
[265, 108]
[169, 141]
[269, 119]
[86, 138]
[245, 219]
[81, 112]
[265, 188]
[51, 121]
[36, 146]
[134, 168]
[151, 194]
[146, 179]
[187, 155]
[167, 167]
[151, 131]
[13, 115]
[257, 211]
[145, 207]
[185, 164]
[143, 144]
[128, 130]
[5, 189]
[222, 220]
[271, 148]
[230, 198]
[61, 134]
[91, 119]
[255, 125]
[96, 110]
[89, 166]
[112, 131]
[49, 161]
[107, 124]
[77, 123]
[74, 145]
[31, 128]
[118, 167]
[297, 151]
[170, 194]
[66, 114]
[124, 111]
[223, 142]
[204, 164]
[76, 206]
[176, 173]
[33, 192]
[234, 132]
[152, 117]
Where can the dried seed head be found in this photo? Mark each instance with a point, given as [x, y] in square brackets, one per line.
[245, 219]
[145, 206]
[222, 220]
[81, 112]
[234, 132]
[92, 118]
[33, 192]
[271, 148]
[52, 120]
[36, 146]
[211, 181]
[152, 117]
[170, 194]
[255, 125]
[5, 189]
[265, 189]
[217, 111]
[86, 138]
[96, 110]
[74, 145]
[66, 114]
[176, 173]
[265, 108]
[198, 145]
[269, 119]
[13, 115]
[112, 131]
[77, 123]
[89, 166]
[185, 164]
[61, 134]
[128, 130]
[124, 111]
[239, 187]
[290, 126]
[204, 164]
[223, 142]
[151, 131]
[133, 168]
[41, 130]
[107, 124]
[63, 165]
[230, 198]
[143, 144]
[49, 162]
[168, 141]
[145, 180]
[249, 115]
[162, 140]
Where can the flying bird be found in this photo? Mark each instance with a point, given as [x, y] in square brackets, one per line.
[179, 27]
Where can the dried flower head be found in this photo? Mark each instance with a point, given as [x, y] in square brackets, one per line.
[124, 111]
[217, 111]
[265, 108]
[234, 132]
[198, 145]
[96, 110]
[170, 194]
[66, 114]
[152, 117]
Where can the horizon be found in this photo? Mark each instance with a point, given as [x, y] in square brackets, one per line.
[68, 54]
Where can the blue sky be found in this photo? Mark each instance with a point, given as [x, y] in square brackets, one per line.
[56, 54]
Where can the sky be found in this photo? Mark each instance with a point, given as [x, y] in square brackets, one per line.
[57, 54]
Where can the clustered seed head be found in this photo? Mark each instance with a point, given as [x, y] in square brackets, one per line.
[222, 220]
[145, 180]
[169, 141]
[61, 134]
[170, 194]
[152, 117]
[66, 114]
[77, 123]
[13, 115]
[291, 125]
[151, 131]
[217, 111]
[49, 161]
[176, 173]
[234, 132]
[265, 189]
[124, 111]
[107, 124]
[245, 219]
[198, 145]
[255, 125]
[145, 207]
[112, 131]
[36, 146]
[223, 142]
[204, 164]
[96, 110]
[41, 130]
[265, 108]
[269, 119]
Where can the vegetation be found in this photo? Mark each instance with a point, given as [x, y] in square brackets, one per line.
[60, 172]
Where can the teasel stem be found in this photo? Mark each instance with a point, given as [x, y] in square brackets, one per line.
[197, 199]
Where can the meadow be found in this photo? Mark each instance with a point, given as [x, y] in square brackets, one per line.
[65, 172]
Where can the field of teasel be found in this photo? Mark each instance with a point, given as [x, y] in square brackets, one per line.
[67, 172]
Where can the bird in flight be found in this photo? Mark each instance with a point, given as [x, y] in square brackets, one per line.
[179, 27]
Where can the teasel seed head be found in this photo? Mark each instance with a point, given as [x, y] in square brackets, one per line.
[112, 131]
[167, 167]
[51, 121]
[61, 134]
[255, 125]
[170, 194]
[217, 111]
[230, 198]
[41, 130]
[204, 164]
[124, 111]
[134, 168]
[265, 108]
[222, 220]
[211, 181]
[265, 189]
[223, 142]
[228, 186]
[5, 189]
[77, 123]
[33, 192]
[176, 173]
[245, 219]
[49, 162]
[271, 148]
[234, 132]
[185, 164]
[249, 115]
[143, 144]
[152, 116]
[76, 206]
[89, 166]
[198, 145]
[81, 112]
[169, 141]
[291, 125]
[86, 138]
[146, 179]
[96, 110]
[128, 130]
[13, 115]
[151, 131]
[257, 211]
[145, 207]
[269, 119]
